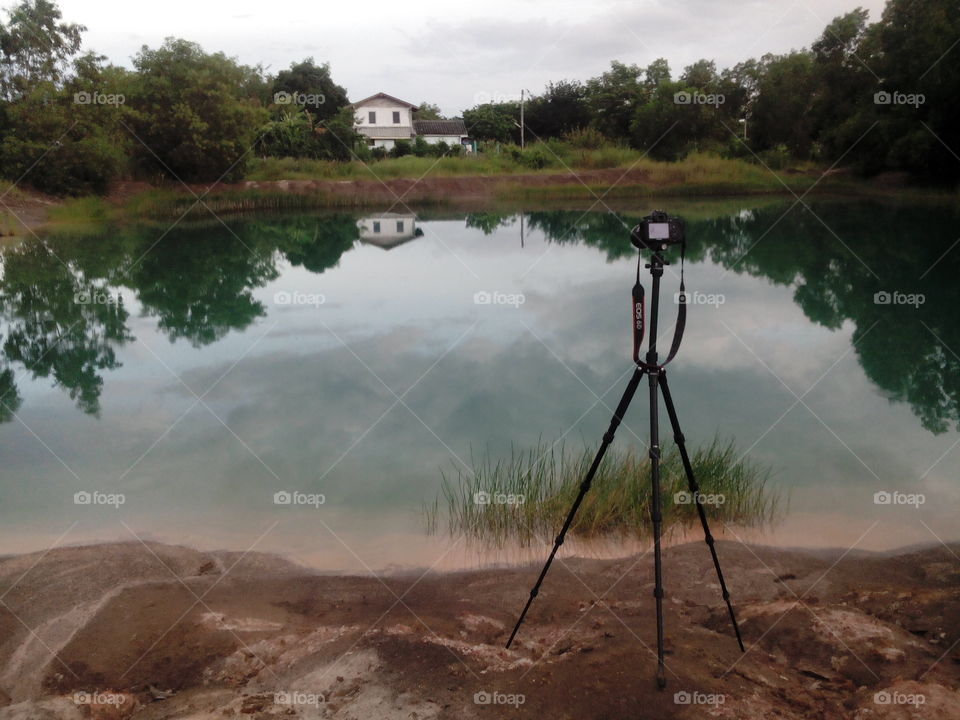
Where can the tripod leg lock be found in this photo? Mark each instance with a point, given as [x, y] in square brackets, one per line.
[654, 452]
[709, 540]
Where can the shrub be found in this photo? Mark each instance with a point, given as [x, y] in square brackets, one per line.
[587, 138]
[401, 148]
[421, 148]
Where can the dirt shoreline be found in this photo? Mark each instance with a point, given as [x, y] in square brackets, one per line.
[158, 631]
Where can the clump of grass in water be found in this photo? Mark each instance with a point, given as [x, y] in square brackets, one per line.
[618, 504]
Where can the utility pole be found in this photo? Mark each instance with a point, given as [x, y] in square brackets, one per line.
[521, 120]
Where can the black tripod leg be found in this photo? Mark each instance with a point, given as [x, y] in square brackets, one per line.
[695, 491]
[655, 516]
[584, 488]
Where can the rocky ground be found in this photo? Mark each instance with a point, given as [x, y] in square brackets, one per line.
[156, 631]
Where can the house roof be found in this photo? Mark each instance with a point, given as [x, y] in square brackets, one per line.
[439, 127]
[385, 131]
[384, 96]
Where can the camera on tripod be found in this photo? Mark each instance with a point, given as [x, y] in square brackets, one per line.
[657, 231]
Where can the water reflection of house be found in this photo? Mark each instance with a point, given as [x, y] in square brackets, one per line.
[387, 230]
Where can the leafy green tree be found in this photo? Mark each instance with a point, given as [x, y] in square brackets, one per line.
[843, 81]
[337, 138]
[656, 73]
[560, 109]
[60, 146]
[190, 115]
[309, 86]
[494, 121]
[428, 111]
[914, 45]
[613, 97]
[35, 47]
[781, 111]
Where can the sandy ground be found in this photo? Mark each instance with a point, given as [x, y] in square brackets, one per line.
[157, 631]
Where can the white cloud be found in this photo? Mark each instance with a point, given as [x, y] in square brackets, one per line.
[431, 50]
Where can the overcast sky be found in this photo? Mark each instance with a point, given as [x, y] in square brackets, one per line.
[457, 54]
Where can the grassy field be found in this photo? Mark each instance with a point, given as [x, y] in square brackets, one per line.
[543, 158]
[548, 479]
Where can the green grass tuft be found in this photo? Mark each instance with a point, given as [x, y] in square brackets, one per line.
[618, 504]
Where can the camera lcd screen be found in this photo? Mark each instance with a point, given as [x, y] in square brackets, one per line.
[659, 231]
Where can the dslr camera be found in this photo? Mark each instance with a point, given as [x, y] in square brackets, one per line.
[657, 231]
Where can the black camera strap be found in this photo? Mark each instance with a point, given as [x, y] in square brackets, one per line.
[639, 315]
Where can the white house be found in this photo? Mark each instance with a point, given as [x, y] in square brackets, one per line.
[384, 119]
[387, 230]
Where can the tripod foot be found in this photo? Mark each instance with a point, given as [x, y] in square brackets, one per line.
[661, 681]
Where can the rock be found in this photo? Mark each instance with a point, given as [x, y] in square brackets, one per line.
[891, 654]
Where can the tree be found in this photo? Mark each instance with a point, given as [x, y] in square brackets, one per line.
[35, 47]
[494, 121]
[428, 111]
[191, 117]
[781, 110]
[842, 80]
[912, 45]
[613, 97]
[309, 86]
[561, 108]
[656, 73]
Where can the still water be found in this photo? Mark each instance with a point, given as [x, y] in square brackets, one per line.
[178, 380]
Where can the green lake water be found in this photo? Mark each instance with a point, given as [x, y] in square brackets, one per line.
[195, 372]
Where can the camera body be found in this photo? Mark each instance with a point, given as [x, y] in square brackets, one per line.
[657, 231]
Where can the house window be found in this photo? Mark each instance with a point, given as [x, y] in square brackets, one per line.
[399, 226]
[396, 117]
[376, 226]
[372, 117]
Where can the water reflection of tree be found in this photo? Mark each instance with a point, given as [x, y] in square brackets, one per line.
[909, 351]
[197, 282]
[837, 256]
[53, 327]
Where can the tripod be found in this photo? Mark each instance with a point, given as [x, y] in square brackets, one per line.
[657, 377]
